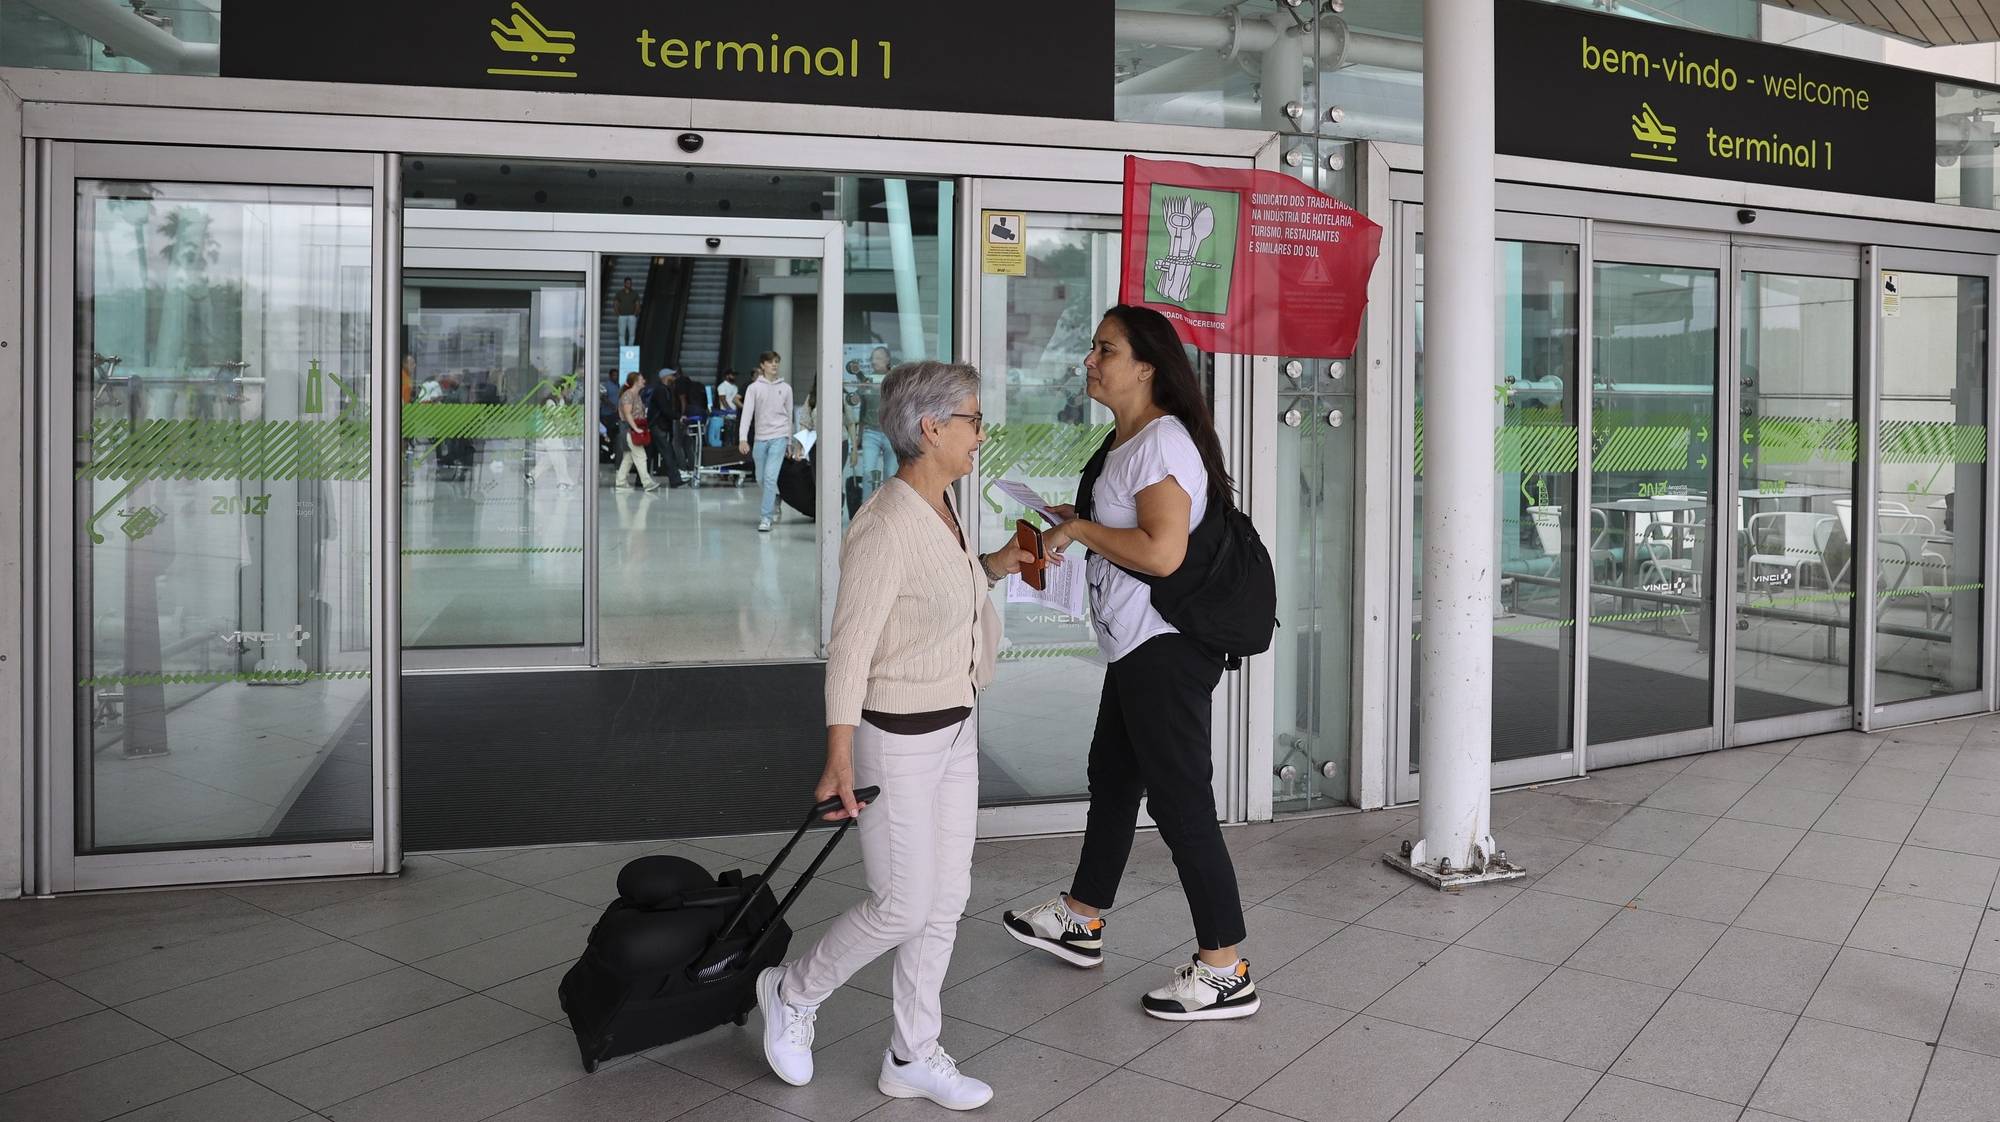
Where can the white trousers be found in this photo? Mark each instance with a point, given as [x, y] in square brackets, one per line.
[916, 847]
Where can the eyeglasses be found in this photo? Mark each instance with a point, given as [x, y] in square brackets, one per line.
[978, 420]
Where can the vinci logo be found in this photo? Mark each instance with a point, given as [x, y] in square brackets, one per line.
[526, 35]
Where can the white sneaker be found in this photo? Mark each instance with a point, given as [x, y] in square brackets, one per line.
[764, 526]
[788, 1031]
[1047, 927]
[936, 1078]
[1196, 994]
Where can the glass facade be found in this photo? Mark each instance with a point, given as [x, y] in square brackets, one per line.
[222, 465]
[512, 444]
[507, 422]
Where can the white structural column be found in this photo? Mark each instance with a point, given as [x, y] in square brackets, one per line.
[903, 259]
[1975, 167]
[781, 331]
[1455, 843]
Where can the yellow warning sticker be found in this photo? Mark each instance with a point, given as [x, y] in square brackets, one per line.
[1892, 295]
[1004, 251]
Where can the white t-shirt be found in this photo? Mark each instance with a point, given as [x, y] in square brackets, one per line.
[1121, 605]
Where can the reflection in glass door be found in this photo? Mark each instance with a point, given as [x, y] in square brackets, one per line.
[1035, 721]
[223, 360]
[689, 570]
[1794, 593]
[493, 393]
[1654, 449]
[1929, 492]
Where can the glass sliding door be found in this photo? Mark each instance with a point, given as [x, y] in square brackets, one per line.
[493, 396]
[534, 536]
[1028, 329]
[1035, 721]
[1793, 599]
[1536, 395]
[1928, 503]
[1656, 457]
[222, 343]
[696, 561]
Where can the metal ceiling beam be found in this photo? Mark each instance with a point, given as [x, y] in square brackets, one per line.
[1932, 23]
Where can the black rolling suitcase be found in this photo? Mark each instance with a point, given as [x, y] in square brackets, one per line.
[796, 486]
[678, 952]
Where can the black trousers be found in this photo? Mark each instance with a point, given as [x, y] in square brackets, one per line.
[1152, 740]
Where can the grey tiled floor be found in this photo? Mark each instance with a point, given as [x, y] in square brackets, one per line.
[1801, 931]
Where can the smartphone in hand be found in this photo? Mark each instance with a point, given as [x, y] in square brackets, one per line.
[1029, 539]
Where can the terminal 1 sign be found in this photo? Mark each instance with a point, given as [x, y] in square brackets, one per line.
[1596, 89]
[1046, 58]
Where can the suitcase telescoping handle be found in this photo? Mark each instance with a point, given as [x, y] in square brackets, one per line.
[861, 795]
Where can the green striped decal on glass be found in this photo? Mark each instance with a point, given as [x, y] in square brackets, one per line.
[522, 420]
[1643, 448]
[1932, 590]
[1018, 654]
[1932, 442]
[253, 677]
[1536, 625]
[1036, 450]
[1535, 442]
[194, 449]
[476, 551]
[1803, 440]
[1535, 449]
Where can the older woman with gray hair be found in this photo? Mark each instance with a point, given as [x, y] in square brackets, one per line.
[914, 636]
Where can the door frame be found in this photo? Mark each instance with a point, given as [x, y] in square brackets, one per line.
[56, 866]
[1836, 261]
[1408, 224]
[511, 236]
[1246, 394]
[1868, 715]
[550, 261]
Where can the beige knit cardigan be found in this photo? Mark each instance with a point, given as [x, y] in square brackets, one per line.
[913, 629]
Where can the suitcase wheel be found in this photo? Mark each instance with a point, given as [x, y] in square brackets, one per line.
[589, 1066]
[742, 1019]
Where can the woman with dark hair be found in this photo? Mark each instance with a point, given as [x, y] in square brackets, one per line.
[1162, 475]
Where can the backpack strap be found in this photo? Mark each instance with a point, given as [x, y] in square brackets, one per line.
[1091, 470]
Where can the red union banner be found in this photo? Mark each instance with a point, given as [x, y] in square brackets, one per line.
[1246, 262]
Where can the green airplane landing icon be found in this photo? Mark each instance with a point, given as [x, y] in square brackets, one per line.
[523, 34]
[1647, 128]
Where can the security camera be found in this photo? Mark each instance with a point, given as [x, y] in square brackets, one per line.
[715, 243]
[1746, 216]
[689, 141]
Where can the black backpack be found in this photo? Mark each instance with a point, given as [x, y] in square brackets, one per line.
[1225, 594]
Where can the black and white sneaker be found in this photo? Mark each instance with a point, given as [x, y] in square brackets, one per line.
[1196, 994]
[1048, 927]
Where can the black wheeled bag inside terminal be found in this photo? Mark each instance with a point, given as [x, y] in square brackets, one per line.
[679, 951]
